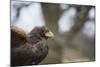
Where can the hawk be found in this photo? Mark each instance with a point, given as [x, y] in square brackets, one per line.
[29, 48]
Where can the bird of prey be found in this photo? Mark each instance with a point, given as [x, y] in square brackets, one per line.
[29, 48]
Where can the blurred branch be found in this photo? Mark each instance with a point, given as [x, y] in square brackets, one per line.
[18, 6]
[69, 6]
[88, 48]
[80, 19]
[51, 14]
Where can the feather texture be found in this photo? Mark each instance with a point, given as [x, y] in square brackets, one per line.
[28, 49]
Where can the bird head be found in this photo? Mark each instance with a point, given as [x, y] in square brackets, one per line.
[42, 32]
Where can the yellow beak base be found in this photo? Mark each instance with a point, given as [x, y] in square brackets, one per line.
[49, 34]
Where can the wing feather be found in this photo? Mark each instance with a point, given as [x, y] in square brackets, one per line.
[28, 54]
[18, 36]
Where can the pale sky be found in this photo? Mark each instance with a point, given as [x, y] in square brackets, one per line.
[31, 16]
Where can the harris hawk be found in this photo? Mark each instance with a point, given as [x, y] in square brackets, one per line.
[29, 48]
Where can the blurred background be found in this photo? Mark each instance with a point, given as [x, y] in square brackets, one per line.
[73, 26]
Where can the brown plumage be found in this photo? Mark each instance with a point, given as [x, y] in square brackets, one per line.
[28, 49]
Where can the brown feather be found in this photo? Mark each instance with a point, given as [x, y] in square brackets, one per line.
[28, 49]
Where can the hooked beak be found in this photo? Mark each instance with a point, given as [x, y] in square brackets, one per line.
[49, 34]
